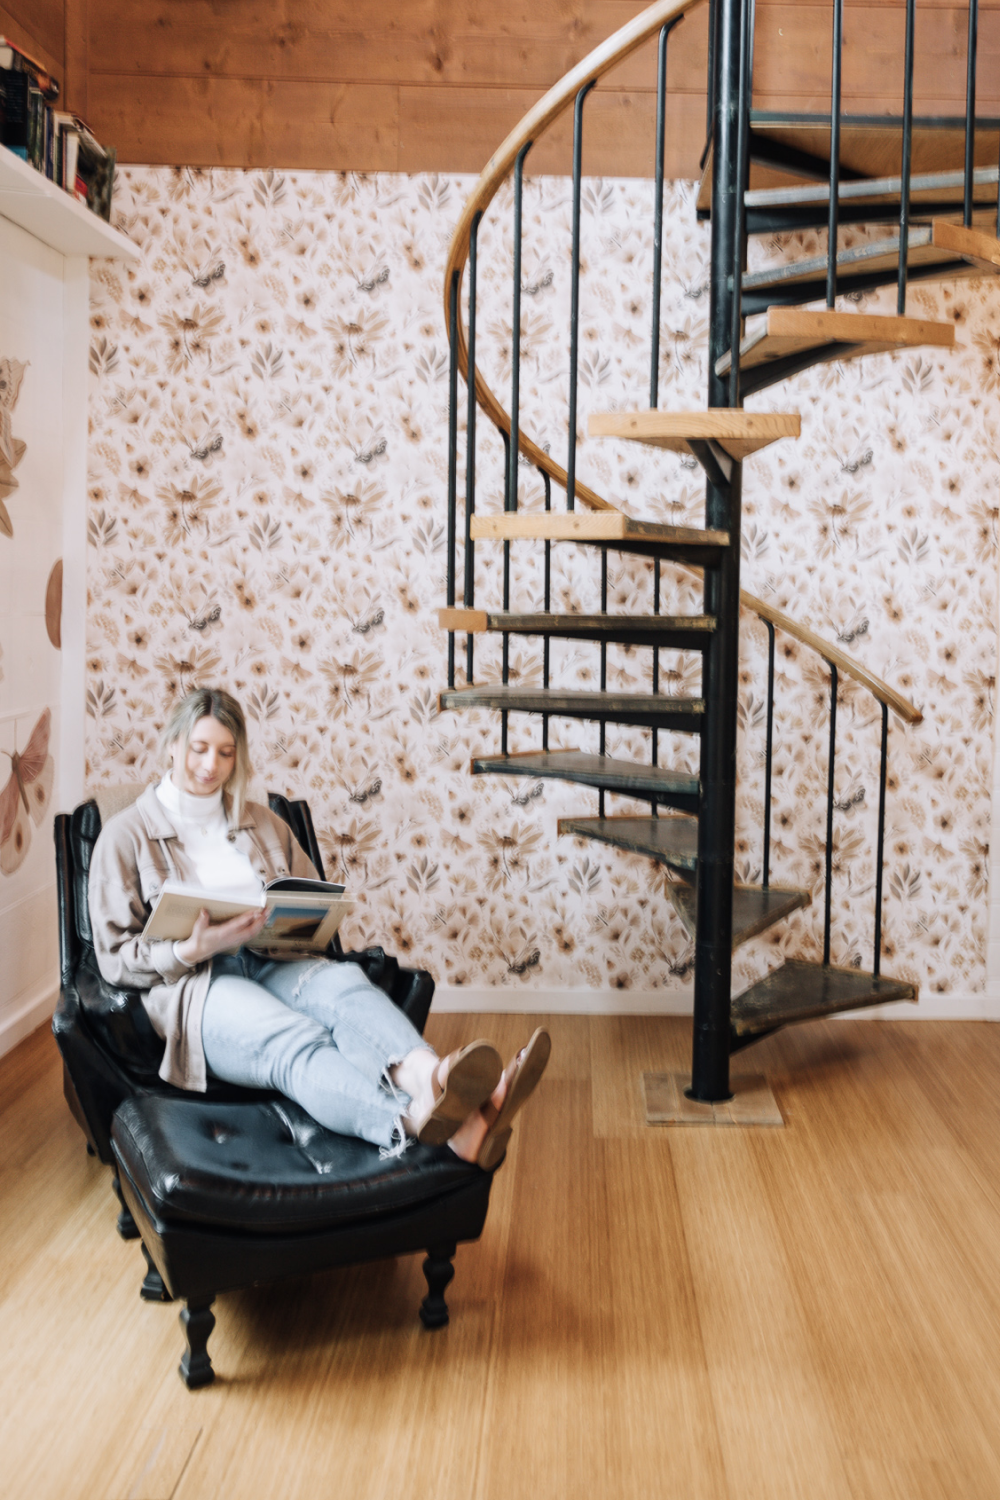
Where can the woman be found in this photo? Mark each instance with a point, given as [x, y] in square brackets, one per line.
[316, 1030]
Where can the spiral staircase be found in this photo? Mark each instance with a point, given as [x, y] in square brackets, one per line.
[932, 185]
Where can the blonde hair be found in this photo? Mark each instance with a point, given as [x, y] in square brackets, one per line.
[213, 703]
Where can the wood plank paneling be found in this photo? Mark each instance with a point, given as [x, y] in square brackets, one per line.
[38, 28]
[249, 85]
[296, 83]
[448, 43]
[793, 51]
[458, 130]
[434, 85]
[248, 123]
[77, 68]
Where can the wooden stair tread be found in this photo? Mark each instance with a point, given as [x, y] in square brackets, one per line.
[672, 840]
[870, 145]
[627, 778]
[679, 631]
[974, 245]
[609, 528]
[788, 331]
[644, 709]
[754, 909]
[800, 991]
[957, 250]
[739, 433]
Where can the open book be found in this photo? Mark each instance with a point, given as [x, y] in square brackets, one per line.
[302, 914]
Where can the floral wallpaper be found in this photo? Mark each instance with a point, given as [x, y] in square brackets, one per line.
[268, 481]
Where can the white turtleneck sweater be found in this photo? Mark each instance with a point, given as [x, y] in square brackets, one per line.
[204, 833]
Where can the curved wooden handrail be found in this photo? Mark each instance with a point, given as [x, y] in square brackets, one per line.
[541, 115]
[836, 658]
[558, 99]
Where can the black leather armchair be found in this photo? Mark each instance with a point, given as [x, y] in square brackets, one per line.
[238, 1186]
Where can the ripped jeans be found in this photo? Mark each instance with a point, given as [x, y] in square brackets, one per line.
[317, 1031]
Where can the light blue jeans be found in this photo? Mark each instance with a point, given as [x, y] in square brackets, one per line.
[319, 1032]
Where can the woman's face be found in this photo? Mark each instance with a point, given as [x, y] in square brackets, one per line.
[209, 762]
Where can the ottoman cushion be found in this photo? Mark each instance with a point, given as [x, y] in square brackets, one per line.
[267, 1167]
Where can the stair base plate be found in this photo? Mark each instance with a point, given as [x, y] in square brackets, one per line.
[752, 1103]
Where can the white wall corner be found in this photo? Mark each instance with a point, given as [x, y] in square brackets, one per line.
[76, 296]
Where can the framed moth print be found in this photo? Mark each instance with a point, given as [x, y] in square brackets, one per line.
[26, 794]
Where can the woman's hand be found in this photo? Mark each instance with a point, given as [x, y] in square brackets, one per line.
[208, 938]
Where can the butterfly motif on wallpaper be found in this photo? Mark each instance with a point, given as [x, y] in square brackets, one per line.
[11, 448]
[26, 797]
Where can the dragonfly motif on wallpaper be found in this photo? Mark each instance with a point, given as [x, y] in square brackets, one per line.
[11, 448]
[27, 795]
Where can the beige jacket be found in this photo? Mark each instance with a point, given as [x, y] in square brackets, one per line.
[137, 851]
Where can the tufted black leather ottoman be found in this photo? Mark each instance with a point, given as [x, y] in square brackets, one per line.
[225, 1195]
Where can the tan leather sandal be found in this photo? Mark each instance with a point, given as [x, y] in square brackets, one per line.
[473, 1073]
[522, 1074]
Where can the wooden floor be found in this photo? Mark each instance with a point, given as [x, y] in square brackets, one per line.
[811, 1311]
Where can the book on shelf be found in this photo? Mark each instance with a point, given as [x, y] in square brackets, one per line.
[14, 111]
[303, 915]
[58, 145]
[14, 59]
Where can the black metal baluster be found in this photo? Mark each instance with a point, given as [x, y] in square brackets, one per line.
[831, 226]
[510, 495]
[470, 448]
[505, 677]
[904, 195]
[828, 900]
[604, 667]
[661, 128]
[880, 843]
[574, 314]
[739, 230]
[655, 757]
[546, 605]
[452, 460]
[970, 110]
[768, 755]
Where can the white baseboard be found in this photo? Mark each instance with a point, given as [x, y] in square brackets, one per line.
[960, 1006]
[506, 1000]
[31, 1012]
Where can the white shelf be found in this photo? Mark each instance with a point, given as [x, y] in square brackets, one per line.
[54, 217]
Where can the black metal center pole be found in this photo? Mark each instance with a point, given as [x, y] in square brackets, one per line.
[452, 458]
[717, 817]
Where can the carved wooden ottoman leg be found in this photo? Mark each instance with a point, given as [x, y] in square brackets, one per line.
[438, 1270]
[153, 1289]
[127, 1227]
[196, 1366]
